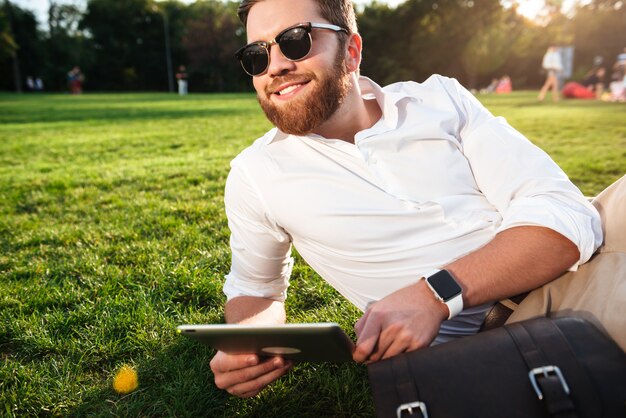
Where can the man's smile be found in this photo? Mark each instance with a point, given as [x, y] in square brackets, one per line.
[288, 90]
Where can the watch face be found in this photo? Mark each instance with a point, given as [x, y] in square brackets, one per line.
[444, 284]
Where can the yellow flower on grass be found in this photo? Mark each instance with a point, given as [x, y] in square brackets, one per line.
[125, 381]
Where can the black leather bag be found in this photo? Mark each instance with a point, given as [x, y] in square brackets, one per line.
[542, 367]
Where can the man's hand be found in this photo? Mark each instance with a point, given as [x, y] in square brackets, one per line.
[405, 320]
[245, 375]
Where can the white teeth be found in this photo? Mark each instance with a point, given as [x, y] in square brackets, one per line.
[289, 89]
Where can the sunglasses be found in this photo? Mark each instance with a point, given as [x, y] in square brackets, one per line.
[294, 42]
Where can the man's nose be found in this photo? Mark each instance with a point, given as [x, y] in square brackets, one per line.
[279, 65]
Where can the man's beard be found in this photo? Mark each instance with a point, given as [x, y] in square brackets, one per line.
[303, 114]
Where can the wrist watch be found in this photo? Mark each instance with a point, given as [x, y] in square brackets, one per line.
[446, 289]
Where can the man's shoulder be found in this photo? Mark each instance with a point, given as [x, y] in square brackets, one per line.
[257, 149]
[435, 82]
[436, 90]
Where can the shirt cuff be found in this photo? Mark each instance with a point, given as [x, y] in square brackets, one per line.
[274, 290]
[581, 227]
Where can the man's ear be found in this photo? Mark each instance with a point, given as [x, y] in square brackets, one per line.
[353, 52]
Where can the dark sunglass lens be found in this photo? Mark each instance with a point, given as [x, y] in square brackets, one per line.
[295, 44]
[254, 59]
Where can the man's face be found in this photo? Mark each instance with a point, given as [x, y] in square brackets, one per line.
[298, 96]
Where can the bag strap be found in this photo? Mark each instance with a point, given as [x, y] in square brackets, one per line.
[547, 379]
[408, 394]
[501, 311]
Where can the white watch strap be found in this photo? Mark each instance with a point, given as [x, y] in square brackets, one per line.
[455, 305]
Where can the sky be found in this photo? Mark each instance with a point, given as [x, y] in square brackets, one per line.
[528, 8]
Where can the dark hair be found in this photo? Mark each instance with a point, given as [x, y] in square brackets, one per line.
[337, 12]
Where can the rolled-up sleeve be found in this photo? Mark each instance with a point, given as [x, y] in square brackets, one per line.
[525, 185]
[261, 261]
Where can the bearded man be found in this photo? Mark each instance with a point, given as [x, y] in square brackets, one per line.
[379, 189]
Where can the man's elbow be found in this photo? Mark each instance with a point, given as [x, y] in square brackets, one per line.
[571, 254]
[566, 252]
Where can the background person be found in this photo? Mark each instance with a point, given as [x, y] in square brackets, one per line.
[491, 88]
[594, 81]
[591, 87]
[75, 80]
[378, 188]
[553, 65]
[181, 79]
[504, 85]
[617, 86]
[30, 83]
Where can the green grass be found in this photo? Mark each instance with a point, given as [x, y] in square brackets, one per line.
[112, 232]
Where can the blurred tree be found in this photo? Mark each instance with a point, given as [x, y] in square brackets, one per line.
[451, 29]
[173, 16]
[121, 44]
[128, 43]
[526, 48]
[599, 30]
[22, 50]
[66, 45]
[377, 27]
[422, 37]
[63, 18]
[488, 49]
[8, 47]
[213, 35]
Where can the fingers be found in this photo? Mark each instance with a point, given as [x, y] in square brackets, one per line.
[368, 333]
[389, 342]
[277, 368]
[383, 334]
[379, 343]
[245, 375]
[400, 342]
[223, 362]
[358, 326]
[404, 320]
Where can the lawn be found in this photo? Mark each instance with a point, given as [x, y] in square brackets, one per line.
[113, 233]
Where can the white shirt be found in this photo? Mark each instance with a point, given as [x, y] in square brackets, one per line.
[552, 61]
[436, 178]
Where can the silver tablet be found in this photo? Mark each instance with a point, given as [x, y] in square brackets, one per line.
[316, 342]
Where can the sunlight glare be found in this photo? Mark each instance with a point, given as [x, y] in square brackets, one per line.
[530, 8]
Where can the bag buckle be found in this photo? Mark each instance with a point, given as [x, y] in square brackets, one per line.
[409, 408]
[545, 372]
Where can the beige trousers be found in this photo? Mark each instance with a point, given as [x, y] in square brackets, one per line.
[597, 291]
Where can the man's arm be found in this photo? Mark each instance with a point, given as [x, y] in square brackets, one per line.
[245, 375]
[254, 310]
[261, 266]
[516, 260]
[547, 227]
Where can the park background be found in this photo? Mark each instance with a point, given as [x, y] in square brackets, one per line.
[137, 45]
[112, 228]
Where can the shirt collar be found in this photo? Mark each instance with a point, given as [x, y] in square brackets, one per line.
[388, 99]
